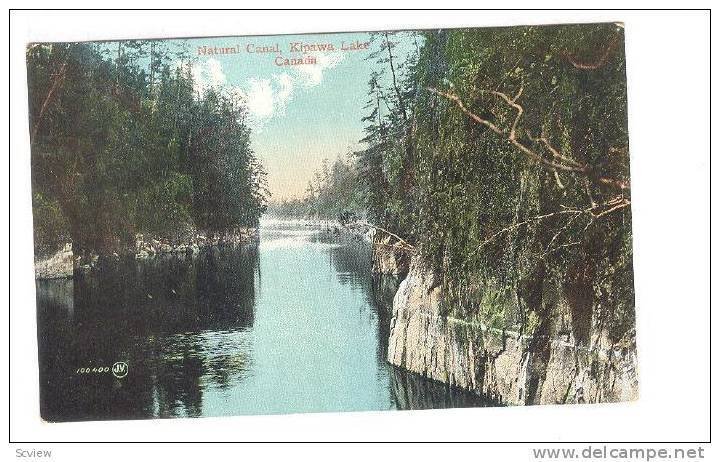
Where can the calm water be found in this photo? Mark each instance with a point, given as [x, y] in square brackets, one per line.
[291, 324]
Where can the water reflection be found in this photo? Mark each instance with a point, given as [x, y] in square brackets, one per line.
[206, 335]
[180, 323]
[353, 263]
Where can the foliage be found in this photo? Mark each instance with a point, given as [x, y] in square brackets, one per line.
[51, 227]
[503, 155]
[122, 143]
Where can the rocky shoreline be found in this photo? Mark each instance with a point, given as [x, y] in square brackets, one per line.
[148, 247]
[57, 266]
[506, 367]
[65, 262]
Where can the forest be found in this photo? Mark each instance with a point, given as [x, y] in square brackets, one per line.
[501, 156]
[122, 142]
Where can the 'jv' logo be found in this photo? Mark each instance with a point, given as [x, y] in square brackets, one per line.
[120, 369]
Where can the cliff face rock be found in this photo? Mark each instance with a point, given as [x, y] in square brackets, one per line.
[503, 366]
[390, 265]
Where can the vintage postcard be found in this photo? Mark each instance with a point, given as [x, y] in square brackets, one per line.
[332, 222]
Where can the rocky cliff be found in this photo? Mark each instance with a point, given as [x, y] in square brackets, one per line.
[503, 366]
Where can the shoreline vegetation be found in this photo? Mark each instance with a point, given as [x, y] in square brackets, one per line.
[495, 162]
[125, 143]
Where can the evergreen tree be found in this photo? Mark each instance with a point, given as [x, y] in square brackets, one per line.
[122, 144]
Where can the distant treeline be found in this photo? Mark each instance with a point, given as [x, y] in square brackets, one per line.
[332, 194]
[122, 143]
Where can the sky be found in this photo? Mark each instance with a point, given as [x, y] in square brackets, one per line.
[300, 114]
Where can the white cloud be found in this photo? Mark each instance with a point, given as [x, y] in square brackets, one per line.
[264, 97]
[268, 97]
[286, 87]
[207, 74]
[311, 75]
[259, 98]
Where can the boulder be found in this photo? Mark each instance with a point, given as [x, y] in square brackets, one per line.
[58, 265]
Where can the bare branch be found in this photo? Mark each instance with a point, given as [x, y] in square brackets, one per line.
[402, 241]
[560, 231]
[525, 222]
[568, 164]
[612, 182]
[595, 212]
[512, 136]
[553, 151]
[565, 163]
[464, 109]
[57, 81]
[513, 103]
[615, 204]
[599, 62]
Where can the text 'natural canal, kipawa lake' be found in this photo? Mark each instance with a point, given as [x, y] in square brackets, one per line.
[291, 323]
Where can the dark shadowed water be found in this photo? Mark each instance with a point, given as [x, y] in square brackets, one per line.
[287, 325]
